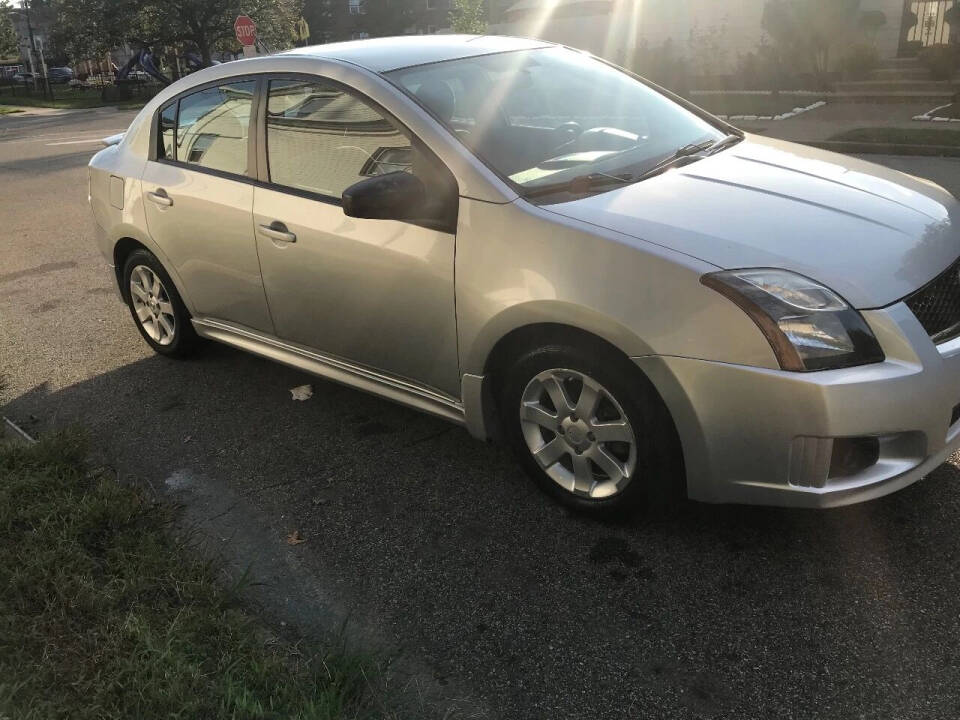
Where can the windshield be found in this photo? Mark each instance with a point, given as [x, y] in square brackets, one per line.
[544, 117]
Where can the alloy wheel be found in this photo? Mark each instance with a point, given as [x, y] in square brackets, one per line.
[578, 433]
[152, 305]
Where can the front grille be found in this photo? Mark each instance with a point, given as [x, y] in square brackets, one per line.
[937, 305]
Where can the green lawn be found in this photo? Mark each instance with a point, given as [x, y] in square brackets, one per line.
[911, 136]
[4, 110]
[731, 103]
[104, 615]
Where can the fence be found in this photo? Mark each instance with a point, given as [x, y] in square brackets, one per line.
[94, 91]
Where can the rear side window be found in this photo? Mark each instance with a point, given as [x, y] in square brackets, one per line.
[168, 130]
[212, 127]
[323, 140]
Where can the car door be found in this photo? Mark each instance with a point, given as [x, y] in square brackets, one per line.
[377, 293]
[198, 199]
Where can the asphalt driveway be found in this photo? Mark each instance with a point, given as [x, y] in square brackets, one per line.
[439, 548]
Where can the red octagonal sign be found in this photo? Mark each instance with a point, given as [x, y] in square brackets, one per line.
[246, 30]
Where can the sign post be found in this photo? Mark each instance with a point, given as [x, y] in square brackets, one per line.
[246, 30]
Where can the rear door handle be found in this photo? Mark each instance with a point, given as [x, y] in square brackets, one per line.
[278, 231]
[160, 197]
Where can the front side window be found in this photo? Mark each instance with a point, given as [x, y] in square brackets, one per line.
[546, 116]
[323, 140]
[213, 127]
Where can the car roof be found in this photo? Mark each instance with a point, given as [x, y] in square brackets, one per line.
[392, 53]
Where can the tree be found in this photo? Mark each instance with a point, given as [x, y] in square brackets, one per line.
[388, 17]
[90, 28]
[871, 22]
[9, 47]
[469, 17]
[207, 25]
[707, 49]
[805, 31]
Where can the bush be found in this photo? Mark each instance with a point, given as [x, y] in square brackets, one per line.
[859, 61]
[762, 70]
[664, 65]
[941, 60]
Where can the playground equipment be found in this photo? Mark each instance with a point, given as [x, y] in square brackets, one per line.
[145, 60]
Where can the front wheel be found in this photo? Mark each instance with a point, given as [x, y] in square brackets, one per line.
[591, 430]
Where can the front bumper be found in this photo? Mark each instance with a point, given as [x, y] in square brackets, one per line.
[760, 436]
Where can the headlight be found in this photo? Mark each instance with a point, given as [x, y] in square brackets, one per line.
[808, 326]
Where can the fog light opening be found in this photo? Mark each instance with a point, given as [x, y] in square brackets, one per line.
[853, 455]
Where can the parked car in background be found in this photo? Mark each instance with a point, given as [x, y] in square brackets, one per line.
[23, 77]
[59, 75]
[640, 299]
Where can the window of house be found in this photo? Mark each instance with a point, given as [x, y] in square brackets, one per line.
[358, 7]
[323, 140]
[213, 125]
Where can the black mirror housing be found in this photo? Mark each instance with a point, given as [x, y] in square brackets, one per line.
[393, 196]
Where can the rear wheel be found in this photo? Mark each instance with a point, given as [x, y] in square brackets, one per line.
[591, 430]
[156, 307]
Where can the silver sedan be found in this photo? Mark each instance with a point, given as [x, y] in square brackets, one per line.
[644, 302]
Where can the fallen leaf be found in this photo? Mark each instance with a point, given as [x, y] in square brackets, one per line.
[295, 538]
[303, 392]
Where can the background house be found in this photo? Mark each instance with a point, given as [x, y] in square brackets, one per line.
[337, 20]
[615, 28]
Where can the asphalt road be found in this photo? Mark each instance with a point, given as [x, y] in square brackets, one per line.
[439, 547]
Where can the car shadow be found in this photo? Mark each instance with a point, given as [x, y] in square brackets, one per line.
[442, 544]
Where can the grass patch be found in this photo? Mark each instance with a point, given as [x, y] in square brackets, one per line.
[896, 136]
[732, 103]
[4, 110]
[103, 615]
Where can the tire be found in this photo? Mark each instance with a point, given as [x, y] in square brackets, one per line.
[648, 475]
[157, 310]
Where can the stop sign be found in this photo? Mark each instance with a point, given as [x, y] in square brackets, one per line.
[246, 30]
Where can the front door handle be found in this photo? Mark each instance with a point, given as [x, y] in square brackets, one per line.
[160, 197]
[278, 231]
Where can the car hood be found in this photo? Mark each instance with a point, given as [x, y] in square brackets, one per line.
[872, 234]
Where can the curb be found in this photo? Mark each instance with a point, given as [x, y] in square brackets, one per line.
[868, 148]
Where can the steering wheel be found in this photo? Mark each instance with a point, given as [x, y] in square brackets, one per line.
[567, 132]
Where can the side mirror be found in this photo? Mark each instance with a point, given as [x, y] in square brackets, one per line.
[394, 196]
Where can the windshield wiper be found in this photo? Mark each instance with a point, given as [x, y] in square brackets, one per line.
[689, 153]
[723, 143]
[686, 154]
[579, 184]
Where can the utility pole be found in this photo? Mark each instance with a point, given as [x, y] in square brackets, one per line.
[26, 11]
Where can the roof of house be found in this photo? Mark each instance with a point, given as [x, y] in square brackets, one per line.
[385, 54]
